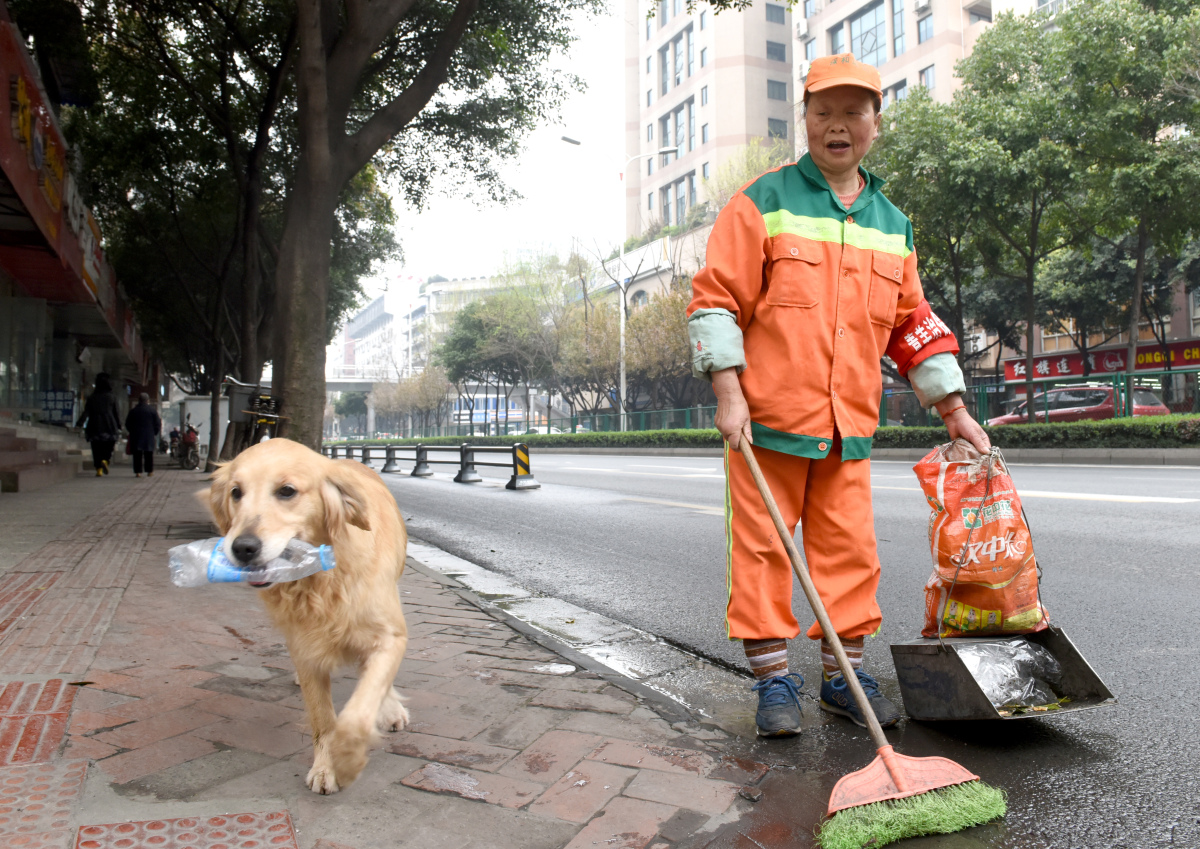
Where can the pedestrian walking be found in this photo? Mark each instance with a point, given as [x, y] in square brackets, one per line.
[143, 426]
[101, 423]
[810, 281]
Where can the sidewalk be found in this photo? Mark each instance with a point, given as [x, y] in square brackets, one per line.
[133, 714]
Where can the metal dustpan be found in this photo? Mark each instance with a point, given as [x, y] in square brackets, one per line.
[936, 684]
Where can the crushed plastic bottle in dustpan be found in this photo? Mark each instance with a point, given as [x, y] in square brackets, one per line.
[204, 562]
[1013, 672]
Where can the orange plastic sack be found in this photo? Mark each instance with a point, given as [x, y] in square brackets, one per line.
[984, 579]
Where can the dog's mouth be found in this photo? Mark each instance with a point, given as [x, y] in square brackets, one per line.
[260, 585]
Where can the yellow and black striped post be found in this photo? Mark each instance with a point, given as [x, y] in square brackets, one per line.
[522, 476]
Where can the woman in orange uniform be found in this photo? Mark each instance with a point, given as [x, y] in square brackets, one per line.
[810, 280]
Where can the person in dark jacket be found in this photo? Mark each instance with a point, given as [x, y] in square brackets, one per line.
[101, 423]
[144, 426]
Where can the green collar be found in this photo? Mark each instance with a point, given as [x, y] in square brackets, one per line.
[872, 183]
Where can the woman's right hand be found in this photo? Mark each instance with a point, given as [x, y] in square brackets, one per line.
[733, 414]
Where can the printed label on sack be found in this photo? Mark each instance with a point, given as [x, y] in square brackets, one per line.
[964, 617]
[977, 517]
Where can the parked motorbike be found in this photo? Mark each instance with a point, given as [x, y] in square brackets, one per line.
[187, 451]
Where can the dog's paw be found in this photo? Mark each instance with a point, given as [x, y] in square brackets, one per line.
[393, 716]
[348, 752]
[321, 779]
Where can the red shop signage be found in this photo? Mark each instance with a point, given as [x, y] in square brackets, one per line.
[1150, 357]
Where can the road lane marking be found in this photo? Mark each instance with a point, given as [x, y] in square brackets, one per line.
[647, 474]
[682, 468]
[700, 508]
[1079, 496]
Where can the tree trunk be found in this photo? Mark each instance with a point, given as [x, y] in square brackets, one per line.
[1135, 310]
[1030, 318]
[214, 410]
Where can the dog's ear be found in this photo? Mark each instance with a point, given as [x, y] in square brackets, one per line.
[345, 503]
[216, 498]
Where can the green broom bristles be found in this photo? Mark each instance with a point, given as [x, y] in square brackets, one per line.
[941, 811]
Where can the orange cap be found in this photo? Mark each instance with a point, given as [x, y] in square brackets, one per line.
[842, 69]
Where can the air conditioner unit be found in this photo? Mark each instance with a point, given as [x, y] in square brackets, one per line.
[921, 6]
[802, 29]
[804, 68]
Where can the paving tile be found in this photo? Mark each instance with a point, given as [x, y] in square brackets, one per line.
[448, 751]
[87, 698]
[551, 755]
[652, 756]
[230, 831]
[445, 716]
[109, 563]
[55, 556]
[136, 735]
[60, 633]
[582, 792]
[624, 824]
[158, 756]
[38, 798]
[239, 707]
[86, 747]
[58, 839]
[571, 700]
[159, 703]
[329, 844]
[54, 696]
[435, 652]
[630, 727]
[19, 593]
[738, 770]
[87, 721]
[275, 742]
[479, 786]
[683, 791]
[33, 720]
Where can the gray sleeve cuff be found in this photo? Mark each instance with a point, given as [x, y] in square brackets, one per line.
[716, 342]
[935, 378]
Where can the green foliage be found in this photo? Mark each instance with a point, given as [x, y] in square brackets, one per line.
[1181, 431]
[351, 404]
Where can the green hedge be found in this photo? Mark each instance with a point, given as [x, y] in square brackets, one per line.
[1147, 432]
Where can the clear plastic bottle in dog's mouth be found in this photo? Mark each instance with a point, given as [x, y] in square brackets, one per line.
[195, 564]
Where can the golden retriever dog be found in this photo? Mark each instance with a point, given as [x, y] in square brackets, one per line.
[350, 615]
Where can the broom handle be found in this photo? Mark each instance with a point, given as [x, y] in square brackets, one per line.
[818, 606]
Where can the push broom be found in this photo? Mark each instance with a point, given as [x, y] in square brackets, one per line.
[895, 796]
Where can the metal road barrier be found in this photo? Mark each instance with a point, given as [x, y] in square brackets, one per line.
[522, 475]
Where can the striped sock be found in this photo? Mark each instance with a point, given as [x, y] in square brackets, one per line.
[767, 658]
[854, 650]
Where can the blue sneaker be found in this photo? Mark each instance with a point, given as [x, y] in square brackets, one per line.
[778, 705]
[836, 698]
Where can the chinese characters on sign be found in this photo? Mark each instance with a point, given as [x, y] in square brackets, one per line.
[1150, 358]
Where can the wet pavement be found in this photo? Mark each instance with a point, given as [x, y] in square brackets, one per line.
[639, 540]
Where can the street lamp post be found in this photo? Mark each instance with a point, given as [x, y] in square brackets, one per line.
[624, 282]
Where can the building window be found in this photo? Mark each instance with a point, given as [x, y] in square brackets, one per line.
[924, 29]
[776, 90]
[810, 8]
[975, 18]
[775, 14]
[647, 29]
[650, 201]
[900, 91]
[704, 95]
[664, 132]
[680, 203]
[649, 96]
[678, 10]
[649, 166]
[691, 51]
[927, 78]
[704, 134]
[703, 18]
[647, 64]
[776, 129]
[664, 70]
[776, 52]
[649, 132]
[704, 174]
[810, 49]
[897, 27]
[666, 205]
[691, 113]
[868, 35]
[703, 57]
[679, 130]
[691, 184]
[837, 40]
[1196, 312]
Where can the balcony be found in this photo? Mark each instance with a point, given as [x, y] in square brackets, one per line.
[979, 7]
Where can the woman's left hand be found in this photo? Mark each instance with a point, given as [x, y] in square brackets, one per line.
[961, 425]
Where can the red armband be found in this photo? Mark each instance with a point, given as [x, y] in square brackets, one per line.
[919, 337]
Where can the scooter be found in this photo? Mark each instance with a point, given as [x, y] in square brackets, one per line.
[188, 449]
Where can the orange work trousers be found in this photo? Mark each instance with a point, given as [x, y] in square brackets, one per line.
[832, 501]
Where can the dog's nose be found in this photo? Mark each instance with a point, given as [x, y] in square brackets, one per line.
[246, 548]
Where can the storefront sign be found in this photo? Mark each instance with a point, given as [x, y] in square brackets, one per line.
[1150, 357]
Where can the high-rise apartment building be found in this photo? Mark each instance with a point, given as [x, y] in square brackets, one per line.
[911, 42]
[702, 85]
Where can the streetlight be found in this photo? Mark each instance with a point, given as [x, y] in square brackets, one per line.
[624, 284]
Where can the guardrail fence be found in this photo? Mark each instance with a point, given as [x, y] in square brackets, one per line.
[522, 475]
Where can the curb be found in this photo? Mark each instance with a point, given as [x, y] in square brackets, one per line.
[671, 710]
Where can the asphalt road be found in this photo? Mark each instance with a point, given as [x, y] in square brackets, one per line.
[640, 539]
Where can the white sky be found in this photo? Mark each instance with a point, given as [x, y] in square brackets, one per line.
[568, 192]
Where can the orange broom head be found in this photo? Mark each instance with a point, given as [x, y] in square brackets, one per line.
[893, 776]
